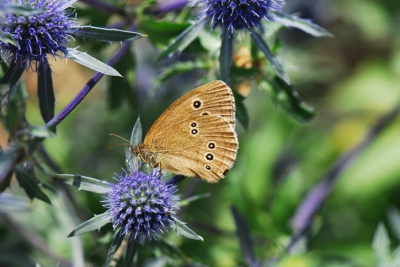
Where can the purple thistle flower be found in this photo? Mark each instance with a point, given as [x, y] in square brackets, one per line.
[240, 14]
[142, 205]
[37, 35]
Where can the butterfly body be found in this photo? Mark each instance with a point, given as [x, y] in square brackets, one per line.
[195, 136]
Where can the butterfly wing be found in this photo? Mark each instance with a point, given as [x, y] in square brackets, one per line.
[215, 98]
[208, 152]
[195, 136]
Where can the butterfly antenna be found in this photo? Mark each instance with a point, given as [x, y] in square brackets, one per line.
[120, 144]
[111, 134]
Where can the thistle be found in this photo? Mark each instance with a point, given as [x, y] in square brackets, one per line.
[240, 14]
[32, 31]
[142, 205]
[233, 16]
[38, 35]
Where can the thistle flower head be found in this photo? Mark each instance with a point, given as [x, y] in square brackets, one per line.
[142, 205]
[240, 14]
[37, 35]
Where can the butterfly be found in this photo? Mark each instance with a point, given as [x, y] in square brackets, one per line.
[195, 136]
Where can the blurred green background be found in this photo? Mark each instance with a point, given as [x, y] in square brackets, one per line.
[351, 79]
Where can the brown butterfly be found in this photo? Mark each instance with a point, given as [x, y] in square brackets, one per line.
[195, 136]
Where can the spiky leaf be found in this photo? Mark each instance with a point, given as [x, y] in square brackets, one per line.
[85, 183]
[27, 180]
[115, 245]
[225, 56]
[301, 24]
[105, 35]
[181, 229]
[184, 39]
[45, 91]
[93, 224]
[275, 61]
[92, 63]
[291, 102]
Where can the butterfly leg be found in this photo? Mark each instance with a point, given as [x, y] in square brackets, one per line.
[140, 154]
[158, 165]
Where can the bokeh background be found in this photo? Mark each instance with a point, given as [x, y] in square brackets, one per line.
[351, 79]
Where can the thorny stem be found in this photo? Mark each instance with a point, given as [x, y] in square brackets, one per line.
[85, 90]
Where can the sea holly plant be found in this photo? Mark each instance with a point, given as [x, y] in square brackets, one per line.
[139, 204]
[258, 19]
[34, 31]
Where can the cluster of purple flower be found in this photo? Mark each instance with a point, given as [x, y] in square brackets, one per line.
[142, 205]
[240, 14]
[37, 35]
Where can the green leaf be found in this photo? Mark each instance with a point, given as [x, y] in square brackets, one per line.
[27, 180]
[7, 38]
[8, 160]
[244, 237]
[291, 102]
[131, 250]
[12, 75]
[93, 224]
[40, 132]
[136, 139]
[92, 63]
[115, 245]
[14, 119]
[186, 201]
[184, 39]
[210, 41]
[225, 56]
[181, 229]
[275, 61]
[137, 133]
[104, 34]
[46, 92]
[381, 245]
[301, 24]
[86, 183]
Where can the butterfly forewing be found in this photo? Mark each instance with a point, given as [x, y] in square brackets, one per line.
[195, 136]
[215, 98]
